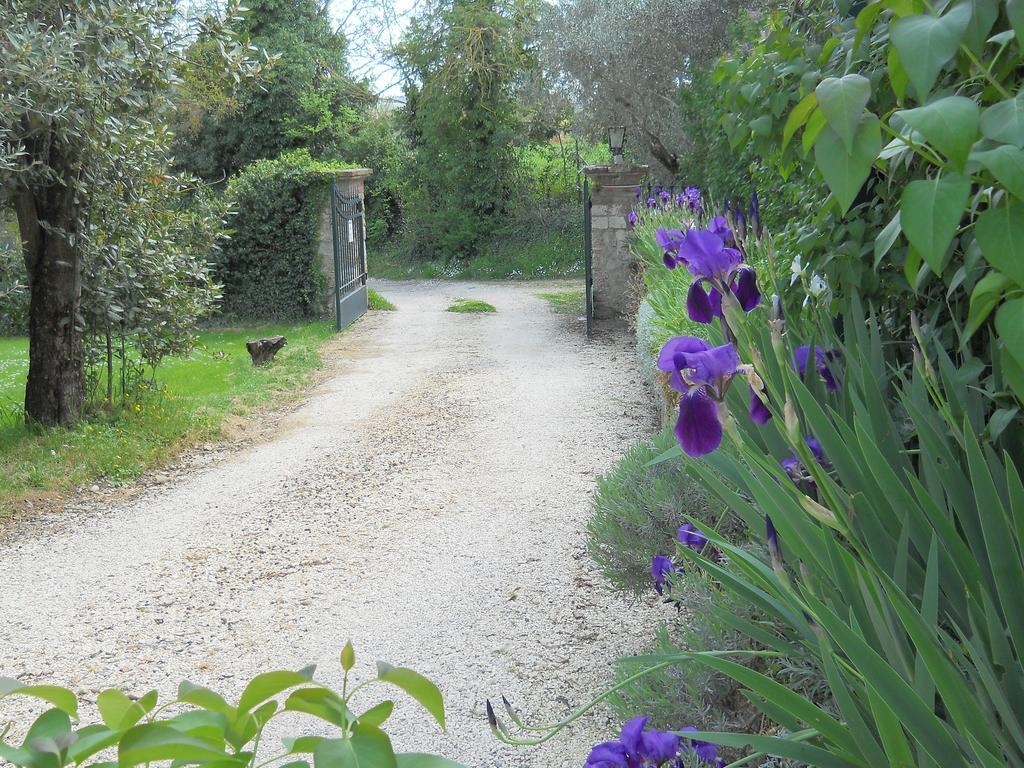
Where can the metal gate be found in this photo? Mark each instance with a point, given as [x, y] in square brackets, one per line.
[349, 257]
[588, 255]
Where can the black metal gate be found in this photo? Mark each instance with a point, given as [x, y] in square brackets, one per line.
[350, 299]
[588, 255]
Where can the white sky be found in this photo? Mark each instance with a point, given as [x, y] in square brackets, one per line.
[372, 27]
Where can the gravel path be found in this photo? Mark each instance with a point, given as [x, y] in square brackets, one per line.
[427, 501]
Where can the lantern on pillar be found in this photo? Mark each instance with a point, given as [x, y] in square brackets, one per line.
[616, 138]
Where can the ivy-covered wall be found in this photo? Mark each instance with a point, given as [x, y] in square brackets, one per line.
[269, 268]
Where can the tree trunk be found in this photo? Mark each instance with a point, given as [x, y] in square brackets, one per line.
[55, 392]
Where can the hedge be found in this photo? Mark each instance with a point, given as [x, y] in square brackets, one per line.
[270, 267]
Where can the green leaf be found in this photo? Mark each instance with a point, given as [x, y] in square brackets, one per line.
[1010, 325]
[348, 656]
[897, 74]
[155, 741]
[52, 724]
[190, 693]
[1015, 13]
[61, 698]
[798, 116]
[1004, 122]
[117, 710]
[761, 126]
[418, 760]
[302, 745]
[319, 702]
[369, 747]
[807, 754]
[1000, 233]
[843, 100]
[846, 173]
[983, 15]
[930, 212]
[985, 297]
[925, 43]
[416, 685]
[950, 125]
[90, 740]
[814, 125]
[263, 687]
[378, 714]
[886, 238]
[1006, 163]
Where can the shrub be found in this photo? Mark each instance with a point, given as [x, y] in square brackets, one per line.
[269, 267]
[637, 509]
[13, 296]
[201, 728]
[471, 306]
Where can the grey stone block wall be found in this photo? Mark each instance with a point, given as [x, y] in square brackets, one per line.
[612, 196]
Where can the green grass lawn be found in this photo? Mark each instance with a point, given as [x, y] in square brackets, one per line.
[566, 302]
[189, 402]
[554, 255]
[471, 306]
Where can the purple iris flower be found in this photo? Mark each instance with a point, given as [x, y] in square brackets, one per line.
[652, 203]
[638, 192]
[759, 413]
[691, 537]
[701, 374]
[681, 200]
[718, 269]
[798, 472]
[648, 747]
[610, 754]
[632, 220]
[719, 225]
[821, 359]
[670, 241]
[705, 749]
[661, 568]
[665, 196]
[693, 199]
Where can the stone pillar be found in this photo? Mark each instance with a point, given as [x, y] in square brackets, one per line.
[613, 267]
[350, 183]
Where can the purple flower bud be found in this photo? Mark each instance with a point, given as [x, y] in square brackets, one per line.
[661, 569]
[691, 537]
[759, 413]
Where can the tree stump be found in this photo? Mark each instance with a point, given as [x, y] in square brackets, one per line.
[263, 350]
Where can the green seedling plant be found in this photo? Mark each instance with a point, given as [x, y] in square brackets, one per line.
[200, 727]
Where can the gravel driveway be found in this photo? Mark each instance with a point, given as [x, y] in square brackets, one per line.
[427, 501]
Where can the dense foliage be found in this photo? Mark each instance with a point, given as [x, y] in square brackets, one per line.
[909, 117]
[200, 727]
[82, 138]
[270, 266]
[463, 61]
[304, 100]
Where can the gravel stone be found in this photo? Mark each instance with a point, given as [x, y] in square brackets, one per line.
[427, 501]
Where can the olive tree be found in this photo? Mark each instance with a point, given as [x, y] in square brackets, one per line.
[623, 63]
[82, 128]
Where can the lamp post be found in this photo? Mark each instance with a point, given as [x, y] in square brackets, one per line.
[616, 138]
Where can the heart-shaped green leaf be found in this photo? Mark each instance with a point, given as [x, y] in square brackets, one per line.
[1010, 325]
[1004, 122]
[842, 100]
[1006, 163]
[1015, 13]
[925, 43]
[930, 212]
[1000, 232]
[950, 125]
[983, 15]
[157, 742]
[845, 173]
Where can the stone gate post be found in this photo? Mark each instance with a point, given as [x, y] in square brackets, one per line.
[613, 267]
[350, 183]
